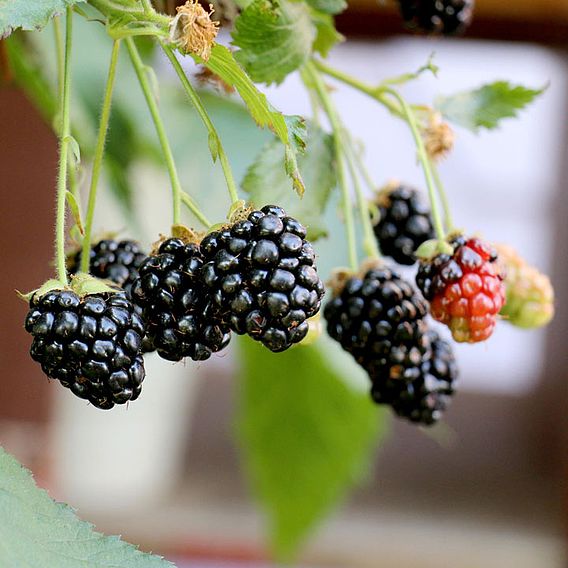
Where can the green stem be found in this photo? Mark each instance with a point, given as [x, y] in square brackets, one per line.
[360, 164]
[425, 162]
[65, 135]
[377, 93]
[370, 245]
[148, 8]
[190, 204]
[98, 157]
[339, 159]
[59, 54]
[443, 197]
[213, 134]
[159, 125]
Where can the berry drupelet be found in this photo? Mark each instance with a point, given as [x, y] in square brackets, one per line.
[465, 289]
[440, 17]
[262, 277]
[91, 344]
[114, 260]
[378, 319]
[404, 223]
[181, 320]
[422, 395]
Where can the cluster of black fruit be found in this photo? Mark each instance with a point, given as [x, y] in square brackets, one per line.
[379, 318]
[438, 17]
[257, 276]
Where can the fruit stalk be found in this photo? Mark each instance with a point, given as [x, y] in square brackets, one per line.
[65, 136]
[443, 197]
[425, 162]
[98, 157]
[340, 164]
[213, 134]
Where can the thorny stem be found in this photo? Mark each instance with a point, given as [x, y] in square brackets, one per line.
[214, 139]
[65, 136]
[443, 197]
[98, 157]
[159, 126]
[425, 162]
[340, 164]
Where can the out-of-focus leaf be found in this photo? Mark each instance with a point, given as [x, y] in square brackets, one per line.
[307, 437]
[29, 14]
[328, 6]
[266, 181]
[37, 532]
[326, 34]
[487, 106]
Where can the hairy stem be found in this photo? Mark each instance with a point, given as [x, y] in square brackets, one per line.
[190, 204]
[377, 93]
[369, 241]
[159, 126]
[339, 159]
[443, 197]
[424, 161]
[65, 135]
[98, 157]
[213, 134]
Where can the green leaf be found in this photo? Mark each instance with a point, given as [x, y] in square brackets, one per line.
[29, 14]
[37, 532]
[328, 6]
[75, 211]
[307, 437]
[326, 34]
[275, 38]
[266, 181]
[486, 106]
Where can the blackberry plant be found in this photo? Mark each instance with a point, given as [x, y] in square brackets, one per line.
[252, 271]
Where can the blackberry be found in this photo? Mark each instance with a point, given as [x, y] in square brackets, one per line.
[465, 289]
[90, 344]
[181, 320]
[117, 261]
[445, 17]
[262, 277]
[114, 260]
[378, 319]
[404, 223]
[422, 395]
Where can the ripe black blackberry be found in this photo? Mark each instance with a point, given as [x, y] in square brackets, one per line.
[117, 261]
[378, 318]
[404, 223]
[181, 321]
[445, 17]
[422, 394]
[90, 344]
[114, 260]
[262, 276]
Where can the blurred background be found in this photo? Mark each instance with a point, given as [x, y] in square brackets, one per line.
[487, 490]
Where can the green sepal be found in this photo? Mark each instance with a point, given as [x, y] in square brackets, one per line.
[48, 286]
[85, 285]
[433, 247]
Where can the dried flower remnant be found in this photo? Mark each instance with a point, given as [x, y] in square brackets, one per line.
[438, 137]
[193, 31]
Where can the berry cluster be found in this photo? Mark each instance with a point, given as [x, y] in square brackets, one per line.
[465, 289]
[379, 319]
[92, 345]
[404, 223]
[446, 17]
[181, 320]
[261, 274]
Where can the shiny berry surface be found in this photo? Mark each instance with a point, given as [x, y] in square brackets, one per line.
[92, 345]
[261, 275]
[465, 289]
[181, 320]
[439, 17]
[404, 223]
